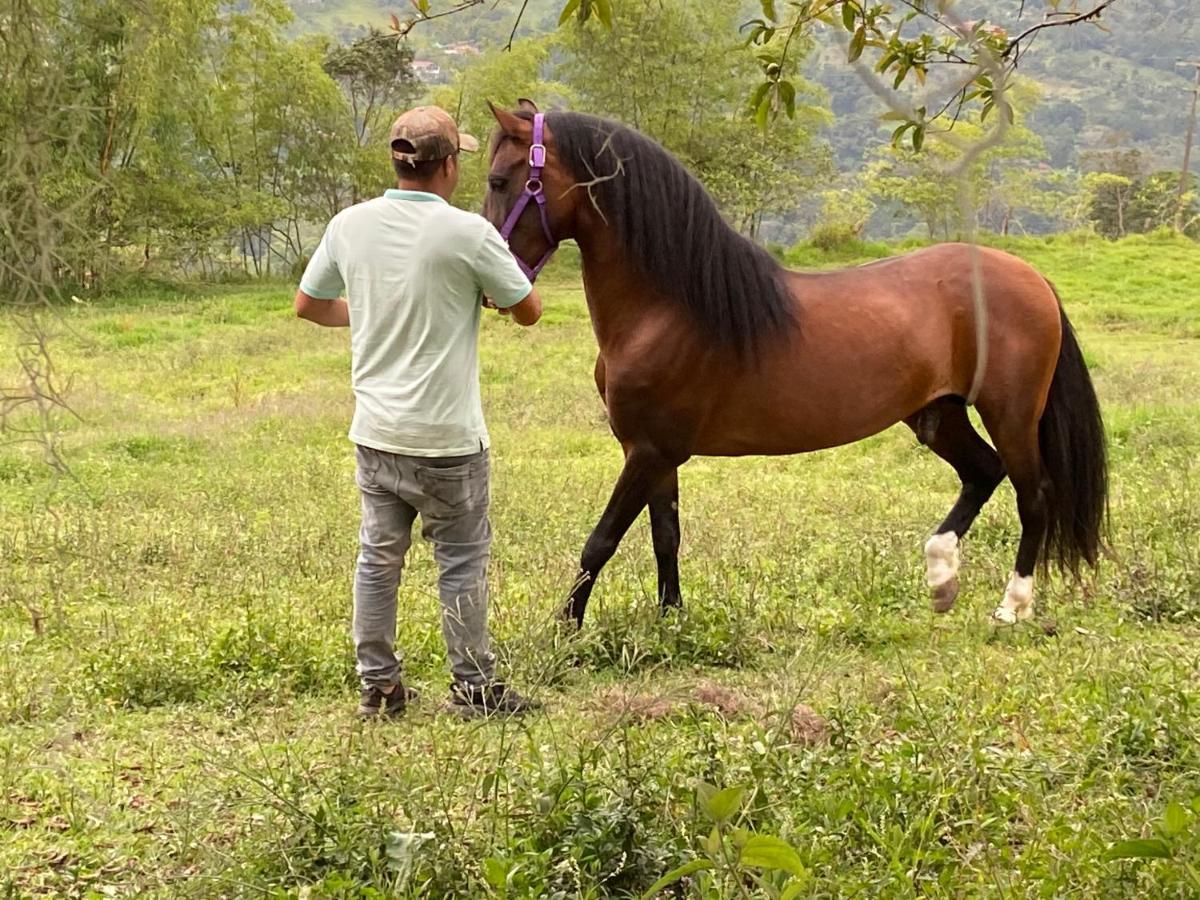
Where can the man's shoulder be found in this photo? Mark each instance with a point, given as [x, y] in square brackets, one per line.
[363, 209]
[462, 221]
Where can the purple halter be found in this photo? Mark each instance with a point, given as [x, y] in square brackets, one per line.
[533, 191]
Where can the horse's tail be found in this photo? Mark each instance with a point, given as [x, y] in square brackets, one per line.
[1072, 442]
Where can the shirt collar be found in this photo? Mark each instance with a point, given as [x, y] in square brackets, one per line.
[421, 196]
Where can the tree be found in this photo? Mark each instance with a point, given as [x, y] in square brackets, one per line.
[1130, 202]
[375, 73]
[999, 179]
[674, 70]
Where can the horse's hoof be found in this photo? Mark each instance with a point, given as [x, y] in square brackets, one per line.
[944, 596]
[1007, 616]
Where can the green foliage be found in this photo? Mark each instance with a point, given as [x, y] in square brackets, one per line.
[644, 72]
[735, 856]
[1000, 181]
[1122, 199]
[904, 41]
[198, 167]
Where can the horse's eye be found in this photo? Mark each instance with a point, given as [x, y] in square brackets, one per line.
[497, 182]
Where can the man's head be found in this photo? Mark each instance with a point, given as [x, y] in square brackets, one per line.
[425, 143]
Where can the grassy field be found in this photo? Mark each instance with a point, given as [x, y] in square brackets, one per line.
[176, 683]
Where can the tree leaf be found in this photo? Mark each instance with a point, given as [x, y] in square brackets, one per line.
[568, 11]
[1140, 848]
[763, 114]
[688, 868]
[918, 137]
[768, 8]
[603, 10]
[757, 96]
[787, 93]
[723, 805]
[857, 43]
[766, 852]
[848, 11]
[1175, 818]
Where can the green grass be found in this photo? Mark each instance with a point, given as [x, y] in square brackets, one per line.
[176, 682]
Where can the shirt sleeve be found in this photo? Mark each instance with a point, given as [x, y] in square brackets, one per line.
[497, 272]
[321, 279]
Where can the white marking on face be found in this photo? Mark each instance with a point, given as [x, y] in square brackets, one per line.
[941, 559]
[1017, 605]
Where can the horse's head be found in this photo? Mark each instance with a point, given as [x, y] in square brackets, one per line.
[529, 196]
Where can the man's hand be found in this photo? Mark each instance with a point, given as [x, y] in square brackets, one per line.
[330, 313]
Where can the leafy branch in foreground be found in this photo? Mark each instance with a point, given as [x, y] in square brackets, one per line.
[908, 39]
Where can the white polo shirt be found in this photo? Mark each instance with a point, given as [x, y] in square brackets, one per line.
[413, 270]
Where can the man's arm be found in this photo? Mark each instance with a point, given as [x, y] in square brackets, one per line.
[502, 282]
[527, 311]
[330, 313]
[319, 297]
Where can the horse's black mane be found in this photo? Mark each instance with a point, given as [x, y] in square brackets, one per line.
[673, 230]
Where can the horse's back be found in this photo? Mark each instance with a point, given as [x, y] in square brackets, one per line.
[875, 343]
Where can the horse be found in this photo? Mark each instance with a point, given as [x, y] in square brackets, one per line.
[708, 346]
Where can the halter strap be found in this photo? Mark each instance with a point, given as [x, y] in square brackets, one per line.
[533, 191]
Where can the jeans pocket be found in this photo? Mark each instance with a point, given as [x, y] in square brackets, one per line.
[366, 472]
[454, 490]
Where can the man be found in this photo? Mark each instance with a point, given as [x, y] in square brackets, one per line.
[414, 272]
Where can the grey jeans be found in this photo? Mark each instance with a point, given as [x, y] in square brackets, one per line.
[451, 496]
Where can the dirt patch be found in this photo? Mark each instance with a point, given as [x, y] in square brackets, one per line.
[802, 724]
[807, 728]
[617, 703]
[726, 701]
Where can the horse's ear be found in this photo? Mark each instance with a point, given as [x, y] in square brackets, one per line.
[527, 105]
[510, 124]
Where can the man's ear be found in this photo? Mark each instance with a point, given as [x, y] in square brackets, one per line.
[510, 124]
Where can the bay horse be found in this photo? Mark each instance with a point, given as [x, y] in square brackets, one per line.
[707, 346]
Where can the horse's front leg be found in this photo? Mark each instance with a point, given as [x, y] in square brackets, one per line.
[664, 528]
[645, 468]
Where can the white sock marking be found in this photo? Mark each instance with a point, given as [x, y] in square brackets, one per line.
[941, 559]
[1017, 605]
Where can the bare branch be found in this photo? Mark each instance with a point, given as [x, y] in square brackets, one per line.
[1054, 20]
[589, 186]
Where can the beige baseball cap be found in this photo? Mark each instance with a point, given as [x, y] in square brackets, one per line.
[426, 133]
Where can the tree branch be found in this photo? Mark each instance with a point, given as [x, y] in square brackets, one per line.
[517, 24]
[1050, 21]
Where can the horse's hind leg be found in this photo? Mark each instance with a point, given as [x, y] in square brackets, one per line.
[664, 528]
[946, 429]
[1019, 448]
